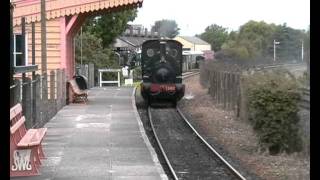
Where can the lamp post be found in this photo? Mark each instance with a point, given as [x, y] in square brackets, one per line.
[274, 49]
[302, 50]
[119, 57]
[81, 45]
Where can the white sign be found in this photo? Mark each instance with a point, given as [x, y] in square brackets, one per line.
[125, 71]
[21, 160]
[128, 81]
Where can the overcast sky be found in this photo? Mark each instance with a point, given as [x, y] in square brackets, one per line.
[193, 16]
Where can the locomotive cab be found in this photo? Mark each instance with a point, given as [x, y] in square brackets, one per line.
[161, 62]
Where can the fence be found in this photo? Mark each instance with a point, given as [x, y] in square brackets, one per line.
[224, 83]
[37, 109]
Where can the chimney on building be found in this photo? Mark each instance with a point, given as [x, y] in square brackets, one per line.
[139, 31]
[131, 31]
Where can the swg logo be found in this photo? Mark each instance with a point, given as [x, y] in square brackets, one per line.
[21, 160]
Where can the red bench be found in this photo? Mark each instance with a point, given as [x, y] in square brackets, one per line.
[25, 145]
[77, 93]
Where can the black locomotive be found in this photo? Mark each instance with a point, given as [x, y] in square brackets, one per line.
[161, 62]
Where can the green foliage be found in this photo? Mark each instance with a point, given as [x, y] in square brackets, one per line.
[110, 25]
[98, 34]
[251, 42]
[137, 73]
[166, 28]
[290, 43]
[273, 111]
[93, 52]
[215, 35]
[254, 41]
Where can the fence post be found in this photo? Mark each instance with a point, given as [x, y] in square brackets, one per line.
[229, 105]
[44, 100]
[225, 90]
[17, 92]
[233, 91]
[58, 99]
[91, 75]
[218, 87]
[26, 101]
[52, 86]
[241, 99]
[210, 87]
[64, 88]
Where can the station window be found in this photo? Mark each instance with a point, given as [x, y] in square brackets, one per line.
[17, 50]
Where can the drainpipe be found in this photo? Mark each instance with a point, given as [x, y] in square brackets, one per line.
[44, 49]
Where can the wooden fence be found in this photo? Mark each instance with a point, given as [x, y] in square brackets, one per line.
[223, 86]
[225, 89]
[37, 109]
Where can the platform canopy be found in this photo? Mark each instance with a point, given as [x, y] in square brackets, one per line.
[30, 9]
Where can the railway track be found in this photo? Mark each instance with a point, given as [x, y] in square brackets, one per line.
[190, 73]
[186, 153]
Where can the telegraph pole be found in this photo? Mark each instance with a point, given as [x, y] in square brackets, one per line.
[302, 50]
[274, 49]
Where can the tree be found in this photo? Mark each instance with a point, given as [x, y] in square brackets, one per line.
[254, 41]
[93, 51]
[166, 28]
[290, 43]
[98, 34]
[259, 37]
[215, 35]
[110, 25]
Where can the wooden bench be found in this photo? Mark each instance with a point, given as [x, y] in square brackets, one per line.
[77, 93]
[25, 145]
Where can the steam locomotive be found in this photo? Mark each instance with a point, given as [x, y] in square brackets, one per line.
[161, 62]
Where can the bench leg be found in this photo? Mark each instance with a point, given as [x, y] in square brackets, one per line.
[41, 154]
[24, 164]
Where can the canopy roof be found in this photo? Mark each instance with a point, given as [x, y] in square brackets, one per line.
[30, 9]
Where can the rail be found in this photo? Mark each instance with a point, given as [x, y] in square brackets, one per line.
[160, 146]
[232, 169]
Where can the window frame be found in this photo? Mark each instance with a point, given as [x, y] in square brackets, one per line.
[20, 53]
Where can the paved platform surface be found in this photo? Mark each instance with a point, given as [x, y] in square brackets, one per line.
[102, 140]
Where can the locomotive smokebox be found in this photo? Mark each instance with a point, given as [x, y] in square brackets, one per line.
[162, 75]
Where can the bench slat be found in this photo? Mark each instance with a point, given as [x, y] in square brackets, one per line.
[39, 133]
[33, 137]
[15, 110]
[17, 125]
[12, 115]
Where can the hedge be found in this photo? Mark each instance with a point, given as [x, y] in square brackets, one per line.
[273, 99]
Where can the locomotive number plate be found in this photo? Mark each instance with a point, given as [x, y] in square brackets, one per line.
[167, 88]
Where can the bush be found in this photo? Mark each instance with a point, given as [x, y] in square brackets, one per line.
[137, 73]
[273, 111]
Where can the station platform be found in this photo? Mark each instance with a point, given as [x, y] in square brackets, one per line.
[101, 140]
